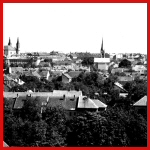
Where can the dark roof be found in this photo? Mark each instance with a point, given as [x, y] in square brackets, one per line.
[19, 102]
[69, 103]
[67, 75]
[57, 73]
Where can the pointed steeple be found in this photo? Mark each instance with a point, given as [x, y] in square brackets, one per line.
[17, 46]
[9, 43]
[102, 45]
[102, 50]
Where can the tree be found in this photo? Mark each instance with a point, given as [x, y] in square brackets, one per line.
[88, 61]
[87, 129]
[125, 64]
[18, 88]
[48, 60]
[55, 117]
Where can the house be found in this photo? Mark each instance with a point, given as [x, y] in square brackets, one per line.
[10, 82]
[140, 68]
[68, 102]
[31, 73]
[16, 78]
[125, 78]
[72, 101]
[73, 56]
[15, 69]
[68, 76]
[20, 100]
[102, 63]
[120, 70]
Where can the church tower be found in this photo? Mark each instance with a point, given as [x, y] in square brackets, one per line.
[9, 43]
[102, 52]
[17, 46]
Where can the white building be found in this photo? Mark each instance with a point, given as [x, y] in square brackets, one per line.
[102, 63]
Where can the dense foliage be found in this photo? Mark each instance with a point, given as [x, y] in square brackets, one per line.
[119, 125]
[113, 127]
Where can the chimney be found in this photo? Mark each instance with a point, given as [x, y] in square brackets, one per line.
[74, 97]
[64, 97]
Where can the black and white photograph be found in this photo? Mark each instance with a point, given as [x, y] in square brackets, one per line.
[75, 74]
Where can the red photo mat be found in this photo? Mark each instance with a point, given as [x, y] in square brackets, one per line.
[1, 64]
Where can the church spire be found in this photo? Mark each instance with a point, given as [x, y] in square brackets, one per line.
[9, 43]
[102, 50]
[17, 46]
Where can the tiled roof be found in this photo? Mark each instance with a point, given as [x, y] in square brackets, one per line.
[74, 73]
[67, 75]
[54, 93]
[14, 94]
[36, 74]
[141, 102]
[120, 86]
[14, 75]
[9, 47]
[99, 103]
[67, 103]
[7, 78]
[67, 93]
[86, 103]
[43, 100]
[57, 72]
[27, 73]
[19, 102]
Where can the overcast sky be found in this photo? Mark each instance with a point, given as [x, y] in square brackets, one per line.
[77, 27]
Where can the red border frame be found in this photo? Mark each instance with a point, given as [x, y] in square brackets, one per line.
[62, 1]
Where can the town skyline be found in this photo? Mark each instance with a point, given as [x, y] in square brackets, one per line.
[61, 28]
